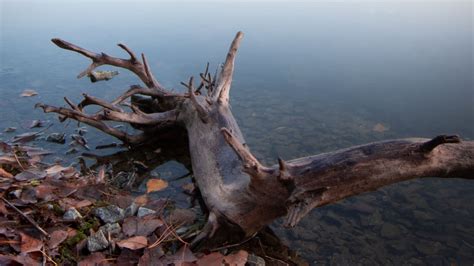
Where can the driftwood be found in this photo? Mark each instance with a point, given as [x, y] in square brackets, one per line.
[237, 189]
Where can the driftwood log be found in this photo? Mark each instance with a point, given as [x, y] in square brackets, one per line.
[237, 189]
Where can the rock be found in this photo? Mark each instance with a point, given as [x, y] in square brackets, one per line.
[390, 231]
[254, 260]
[110, 214]
[419, 215]
[375, 218]
[9, 129]
[131, 210]
[427, 247]
[113, 229]
[97, 241]
[56, 138]
[72, 215]
[142, 211]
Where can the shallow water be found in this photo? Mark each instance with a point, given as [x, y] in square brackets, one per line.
[309, 78]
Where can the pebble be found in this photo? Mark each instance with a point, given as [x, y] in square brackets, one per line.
[112, 228]
[142, 211]
[131, 210]
[110, 214]
[97, 241]
[72, 214]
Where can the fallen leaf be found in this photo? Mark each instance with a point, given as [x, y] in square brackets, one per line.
[155, 184]
[379, 128]
[213, 259]
[28, 93]
[60, 171]
[56, 238]
[25, 137]
[4, 173]
[8, 159]
[30, 175]
[239, 258]
[45, 192]
[133, 243]
[94, 259]
[141, 200]
[151, 256]
[134, 226]
[30, 244]
[183, 256]
[3, 209]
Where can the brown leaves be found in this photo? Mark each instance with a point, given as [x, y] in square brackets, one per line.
[30, 244]
[134, 226]
[56, 238]
[133, 243]
[218, 259]
[4, 173]
[155, 185]
[95, 259]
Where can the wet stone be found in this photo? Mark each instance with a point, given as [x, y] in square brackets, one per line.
[390, 231]
[97, 241]
[142, 211]
[72, 214]
[110, 214]
[56, 138]
[427, 247]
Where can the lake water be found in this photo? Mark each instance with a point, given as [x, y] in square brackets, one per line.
[309, 78]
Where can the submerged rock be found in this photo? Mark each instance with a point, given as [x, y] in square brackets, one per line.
[390, 231]
[56, 138]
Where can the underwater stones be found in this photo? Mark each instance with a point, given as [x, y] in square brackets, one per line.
[110, 214]
[390, 230]
[56, 138]
[427, 247]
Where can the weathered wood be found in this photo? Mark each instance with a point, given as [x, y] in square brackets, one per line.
[236, 188]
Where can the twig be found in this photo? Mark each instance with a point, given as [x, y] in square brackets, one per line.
[25, 216]
[236, 244]
[47, 257]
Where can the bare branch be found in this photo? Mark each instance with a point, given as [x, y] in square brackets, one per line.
[88, 100]
[250, 164]
[221, 94]
[201, 110]
[141, 118]
[142, 70]
[327, 178]
[133, 57]
[93, 121]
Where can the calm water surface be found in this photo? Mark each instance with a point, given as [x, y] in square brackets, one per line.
[310, 78]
